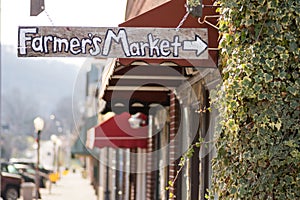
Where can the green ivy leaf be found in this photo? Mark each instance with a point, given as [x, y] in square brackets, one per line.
[261, 96]
[284, 56]
[257, 87]
[293, 46]
[233, 190]
[279, 49]
[260, 43]
[268, 77]
[282, 75]
[246, 82]
[292, 90]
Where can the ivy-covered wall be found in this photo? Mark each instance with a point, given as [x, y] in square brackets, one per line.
[258, 149]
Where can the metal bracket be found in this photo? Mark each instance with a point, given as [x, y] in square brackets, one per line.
[195, 10]
[36, 7]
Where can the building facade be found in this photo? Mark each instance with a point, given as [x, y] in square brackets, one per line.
[174, 95]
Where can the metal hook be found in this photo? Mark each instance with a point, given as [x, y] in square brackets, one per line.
[207, 22]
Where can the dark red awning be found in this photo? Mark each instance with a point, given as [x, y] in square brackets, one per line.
[116, 132]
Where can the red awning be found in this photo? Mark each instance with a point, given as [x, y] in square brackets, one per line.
[116, 132]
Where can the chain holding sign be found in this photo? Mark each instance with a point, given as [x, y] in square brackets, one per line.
[52, 41]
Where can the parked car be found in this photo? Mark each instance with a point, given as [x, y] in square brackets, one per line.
[33, 165]
[28, 170]
[10, 186]
[10, 168]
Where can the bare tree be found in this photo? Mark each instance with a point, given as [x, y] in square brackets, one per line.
[18, 112]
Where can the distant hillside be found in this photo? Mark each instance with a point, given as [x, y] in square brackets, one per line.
[42, 80]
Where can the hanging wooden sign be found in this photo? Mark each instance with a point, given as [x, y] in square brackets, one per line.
[118, 42]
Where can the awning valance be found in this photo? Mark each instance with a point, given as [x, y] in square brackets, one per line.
[117, 132]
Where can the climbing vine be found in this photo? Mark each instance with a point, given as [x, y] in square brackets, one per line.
[258, 149]
[193, 3]
[184, 158]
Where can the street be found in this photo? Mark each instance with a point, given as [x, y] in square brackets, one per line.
[70, 187]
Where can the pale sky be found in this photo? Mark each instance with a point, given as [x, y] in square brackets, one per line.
[96, 13]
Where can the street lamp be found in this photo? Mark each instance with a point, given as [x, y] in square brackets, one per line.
[38, 126]
[107, 192]
[54, 141]
[56, 146]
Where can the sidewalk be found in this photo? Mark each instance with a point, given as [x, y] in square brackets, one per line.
[70, 187]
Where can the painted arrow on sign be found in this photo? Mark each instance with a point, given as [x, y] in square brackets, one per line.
[197, 45]
[117, 42]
